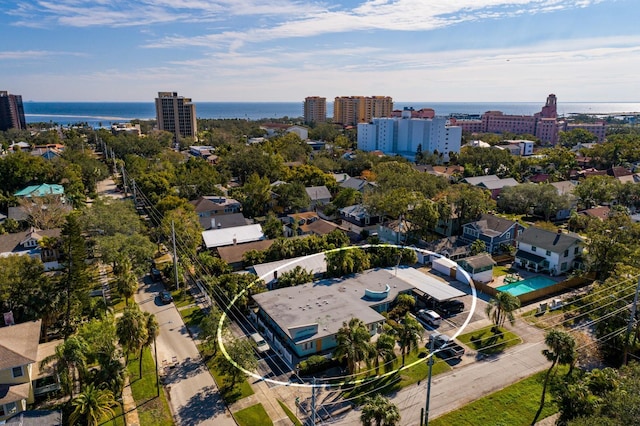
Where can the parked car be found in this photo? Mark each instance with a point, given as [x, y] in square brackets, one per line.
[450, 307]
[430, 317]
[448, 347]
[156, 275]
[166, 297]
[261, 344]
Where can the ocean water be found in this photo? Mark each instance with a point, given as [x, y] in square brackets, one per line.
[98, 114]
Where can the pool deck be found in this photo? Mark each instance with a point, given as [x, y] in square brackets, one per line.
[524, 274]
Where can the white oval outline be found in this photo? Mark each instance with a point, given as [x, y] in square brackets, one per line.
[345, 382]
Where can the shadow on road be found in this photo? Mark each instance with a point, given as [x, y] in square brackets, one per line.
[184, 370]
[204, 405]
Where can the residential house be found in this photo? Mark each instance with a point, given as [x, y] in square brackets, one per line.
[214, 205]
[41, 190]
[28, 243]
[340, 177]
[269, 272]
[223, 221]
[451, 247]
[600, 212]
[234, 255]
[302, 132]
[231, 236]
[319, 195]
[294, 221]
[494, 231]
[46, 153]
[480, 267]
[19, 368]
[357, 218]
[495, 186]
[540, 250]
[566, 187]
[319, 227]
[477, 180]
[395, 232]
[360, 185]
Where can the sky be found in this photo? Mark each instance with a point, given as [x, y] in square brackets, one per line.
[285, 50]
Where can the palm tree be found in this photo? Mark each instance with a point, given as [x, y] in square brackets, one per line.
[385, 349]
[562, 350]
[409, 333]
[153, 329]
[380, 411]
[353, 343]
[70, 360]
[110, 375]
[131, 329]
[91, 406]
[127, 285]
[502, 307]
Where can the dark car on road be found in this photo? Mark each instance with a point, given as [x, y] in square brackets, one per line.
[166, 297]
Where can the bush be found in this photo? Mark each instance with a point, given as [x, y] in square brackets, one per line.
[315, 363]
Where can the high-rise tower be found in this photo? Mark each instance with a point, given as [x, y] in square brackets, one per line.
[315, 109]
[11, 112]
[351, 110]
[176, 114]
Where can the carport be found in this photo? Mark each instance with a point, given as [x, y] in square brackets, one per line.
[427, 285]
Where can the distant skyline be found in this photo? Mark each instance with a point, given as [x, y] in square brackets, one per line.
[285, 50]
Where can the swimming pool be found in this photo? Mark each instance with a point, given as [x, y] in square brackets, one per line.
[527, 286]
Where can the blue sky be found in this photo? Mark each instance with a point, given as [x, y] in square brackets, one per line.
[284, 50]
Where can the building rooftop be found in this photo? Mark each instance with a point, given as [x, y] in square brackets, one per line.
[40, 190]
[230, 236]
[19, 344]
[318, 193]
[234, 254]
[329, 303]
[548, 240]
[315, 264]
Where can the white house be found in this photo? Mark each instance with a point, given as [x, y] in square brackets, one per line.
[546, 251]
[232, 236]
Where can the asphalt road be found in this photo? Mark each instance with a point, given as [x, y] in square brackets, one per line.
[466, 383]
[192, 392]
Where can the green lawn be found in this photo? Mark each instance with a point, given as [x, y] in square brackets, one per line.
[182, 298]
[192, 316]
[253, 416]
[485, 341]
[152, 410]
[395, 382]
[514, 405]
[499, 271]
[292, 417]
[229, 393]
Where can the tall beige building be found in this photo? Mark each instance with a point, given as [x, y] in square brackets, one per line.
[176, 114]
[315, 109]
[351, 110]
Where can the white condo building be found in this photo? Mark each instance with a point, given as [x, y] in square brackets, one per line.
[402, 135]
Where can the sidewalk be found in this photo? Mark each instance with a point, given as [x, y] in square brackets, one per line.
[130, 408]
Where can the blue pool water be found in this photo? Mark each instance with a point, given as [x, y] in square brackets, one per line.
[527, 286]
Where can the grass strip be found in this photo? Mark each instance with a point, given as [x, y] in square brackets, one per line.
[255, 415]
[292, 417]
[487, 342]
[152, 410]
[514, 405]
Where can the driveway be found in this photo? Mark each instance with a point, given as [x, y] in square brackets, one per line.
[192, 392]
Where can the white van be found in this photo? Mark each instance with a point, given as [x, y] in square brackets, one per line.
[261, 344]
[430, 317]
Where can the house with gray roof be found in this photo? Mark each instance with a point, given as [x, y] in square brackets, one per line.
[494, 231]
[480, 267]
[360, 185]
[495, 186]
[319, 196]
[27, 243]
[540, 250]
[357, 218]
[306, 318]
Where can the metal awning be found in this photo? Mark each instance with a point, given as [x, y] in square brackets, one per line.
[428, 284]
[530, 256]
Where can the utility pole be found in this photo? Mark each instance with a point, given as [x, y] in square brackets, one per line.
[313, 402]
[430, 363]
[175, 255]
[124, 181]
[133, 192]
[632, 319]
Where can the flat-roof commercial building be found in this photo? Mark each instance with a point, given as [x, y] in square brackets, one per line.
[315, 109]
[306, 318]
[11, 112]
[176, 114]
